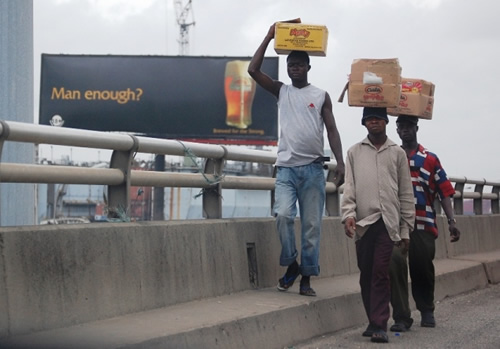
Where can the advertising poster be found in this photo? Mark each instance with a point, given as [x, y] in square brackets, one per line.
[207, 99]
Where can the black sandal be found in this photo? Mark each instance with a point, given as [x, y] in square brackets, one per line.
[399, 327]
[428, 320]
[307, 291]
[369, 331]
[379, 336]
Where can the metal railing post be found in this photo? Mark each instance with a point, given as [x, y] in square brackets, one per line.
[159, 192]
[458, 202]
[273, 191]
[437, 207]
[4, 134]
[332, 200]
[478, 203]
[119, 194]
[495, 203]
[212, 196]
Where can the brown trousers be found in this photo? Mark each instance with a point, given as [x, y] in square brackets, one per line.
[373, 252]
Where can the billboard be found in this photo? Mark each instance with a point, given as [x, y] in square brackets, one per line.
[210, 99]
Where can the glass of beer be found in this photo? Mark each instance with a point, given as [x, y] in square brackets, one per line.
[239, 88]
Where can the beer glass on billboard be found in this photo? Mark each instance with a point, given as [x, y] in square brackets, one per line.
[239, 89]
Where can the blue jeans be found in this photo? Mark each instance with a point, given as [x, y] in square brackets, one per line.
[307, 185]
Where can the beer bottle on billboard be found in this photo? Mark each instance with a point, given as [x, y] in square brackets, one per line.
[239, 89]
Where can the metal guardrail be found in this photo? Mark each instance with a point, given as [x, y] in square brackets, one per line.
[478, 195]
[119, 177]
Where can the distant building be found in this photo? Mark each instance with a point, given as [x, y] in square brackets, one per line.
[17, 201]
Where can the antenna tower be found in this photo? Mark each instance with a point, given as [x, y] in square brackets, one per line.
[182, 12]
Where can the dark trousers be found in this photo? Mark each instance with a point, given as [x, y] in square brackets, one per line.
[420, 259]
[421, 256]
[398, 272]
[373, 252]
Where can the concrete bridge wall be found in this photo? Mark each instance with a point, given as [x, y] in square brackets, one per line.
[57, 276]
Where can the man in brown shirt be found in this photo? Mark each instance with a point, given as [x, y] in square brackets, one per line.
[378, 210]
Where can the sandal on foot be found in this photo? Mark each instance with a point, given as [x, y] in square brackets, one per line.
[369, 331]
[428, 320]
[307, 291]
[399, 327]
[379, 336]
[286, 282]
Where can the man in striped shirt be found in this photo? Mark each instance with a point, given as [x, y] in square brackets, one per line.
[429, 182]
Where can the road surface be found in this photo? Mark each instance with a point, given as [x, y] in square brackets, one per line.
[470, 320]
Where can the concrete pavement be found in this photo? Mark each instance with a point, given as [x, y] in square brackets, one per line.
[470, 320]
[263, 318]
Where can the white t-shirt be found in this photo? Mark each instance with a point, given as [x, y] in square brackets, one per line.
[301, 125]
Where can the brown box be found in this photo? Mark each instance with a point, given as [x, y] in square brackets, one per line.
[300, 37]
[417, 99]
[374, 83]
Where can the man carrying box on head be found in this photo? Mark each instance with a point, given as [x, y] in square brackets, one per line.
[378, 211]
[429, 181]
[305, 111]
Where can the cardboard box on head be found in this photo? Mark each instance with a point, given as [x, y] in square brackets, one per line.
[374, 83]
[417, 99]
[300, 37]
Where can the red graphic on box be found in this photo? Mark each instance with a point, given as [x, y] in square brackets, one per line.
[411, 86]
[299, 32]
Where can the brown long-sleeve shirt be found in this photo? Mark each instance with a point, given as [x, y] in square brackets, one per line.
[378, 184]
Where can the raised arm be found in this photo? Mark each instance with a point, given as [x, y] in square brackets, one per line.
[264, 80]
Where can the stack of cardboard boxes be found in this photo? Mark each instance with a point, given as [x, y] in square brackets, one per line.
[417, 99]
[378, 83]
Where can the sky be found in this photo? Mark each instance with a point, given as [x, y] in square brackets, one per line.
[455, 44]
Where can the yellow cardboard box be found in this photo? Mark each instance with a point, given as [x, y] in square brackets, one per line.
[417, 99]
[374, 83]
[300, 37]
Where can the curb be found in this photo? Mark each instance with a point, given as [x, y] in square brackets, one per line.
[262, 318]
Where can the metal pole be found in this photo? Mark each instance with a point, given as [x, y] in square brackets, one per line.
[159, 192]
